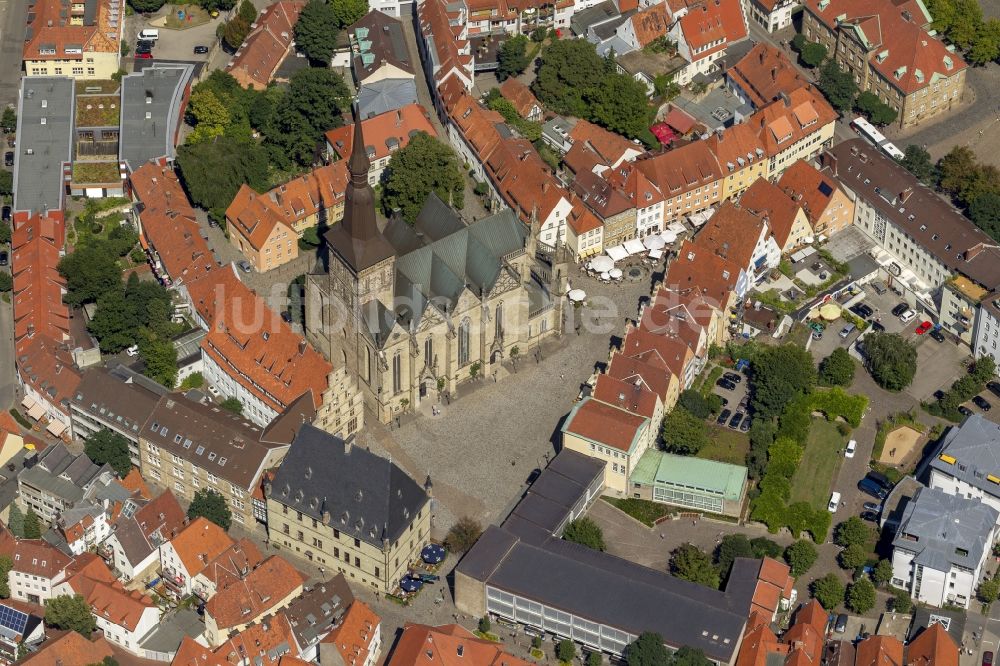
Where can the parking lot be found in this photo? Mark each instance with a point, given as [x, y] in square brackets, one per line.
[174, 45]
[732, 400]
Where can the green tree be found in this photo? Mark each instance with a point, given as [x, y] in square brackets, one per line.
[6, 282]
[984, 211]
[566, 650]
[877, 111]
[684, 433]
[861, 596]
[107, 447]
[193, 381]
[966, 23]
[485, 625]
[594, 659]
[853, 557]
[813, 54]
[837, 85]
[463, 534]
[853, 532]
[316, 31]
[829, 591]
[647, 650]
[585, 532]
[8, 120]
[918, 162]
[71, 613]
[891, 360]
[146, 6]
[213, 171]
[731, 547]
[779, 375]
[986, 44]
[426, 165]
[764, 547]
[6, 564]
[837, 369]
[314, 103]
[568, 69]
[90, 271]
[208, 115]
[6, 183]
[689, 656]
[15, 520]
[160, 359]
[210, 504]
[512, 58]
[235, 31]
[349, 11]
[688, 562]
[113, 323]
[32, 525]
[883, 572]
[620, 104]
[800, 556]
[957, 169]
[988, 591]
[247, 11]
[232, 405]
[901, 601]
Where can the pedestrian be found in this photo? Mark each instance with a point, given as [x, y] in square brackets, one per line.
[494, 376]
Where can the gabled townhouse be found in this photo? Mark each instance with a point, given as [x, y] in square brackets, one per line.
[269, 42]
[36, 248]
[188, 446]
[118, 400]
[742, 237]
[38, 568]
[742, 153]
[644, 195]
[83, 527]
[688, 177]
[763, 74]
[22, 632]
[357, 640]
[773, 15]
[617, 214]
[380, 62]
[666, 314]
[384, 134]
[315, 613]
[48, 377]
[635, 398]
[424, 645]
[584, 233]
[826, 205]
[444, 44]
[703, 31]
[941, 546]
[57, 481]
[802, 644]
[891, 51]
[270, 642]
[188, 554]
[472, 128]
[124, 617]
[589, 147]
[644, 27]
[786, 220]
[797, 126]
[71, 649]
[718, 280]
[168, 228]
[666, 346]
[649, 373]
[523, 100]
[518, 16]
[266, 227]
[132, 549]
[82, 41]
[264, 589]
[611, 434]
[229, 567]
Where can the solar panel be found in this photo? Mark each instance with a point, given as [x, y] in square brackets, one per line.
[13, 619]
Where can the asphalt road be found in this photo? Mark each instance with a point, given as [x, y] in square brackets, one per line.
[13, 14]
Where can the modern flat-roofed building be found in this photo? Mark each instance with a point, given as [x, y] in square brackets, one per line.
[690, 483]
[44, 142]
[152, 104]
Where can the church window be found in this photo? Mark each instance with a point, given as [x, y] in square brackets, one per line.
[429, 352]
[396, 373]
[463, 342]
[498, 321]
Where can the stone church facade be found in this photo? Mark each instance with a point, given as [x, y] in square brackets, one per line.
[412, 311]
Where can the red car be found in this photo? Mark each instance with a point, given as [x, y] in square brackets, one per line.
[987, 658]
[143, 56]
[924, 327]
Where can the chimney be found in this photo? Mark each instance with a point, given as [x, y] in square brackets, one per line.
[905, 194]
[302, 347]
[774, 74]
[762, 56]
[830, 160]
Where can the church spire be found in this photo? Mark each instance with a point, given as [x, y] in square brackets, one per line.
[359, 163]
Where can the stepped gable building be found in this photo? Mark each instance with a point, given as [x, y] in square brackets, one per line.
[410, 309]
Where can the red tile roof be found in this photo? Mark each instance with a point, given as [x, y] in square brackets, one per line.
[737, 146]
[600, 422]
[169, 224]
[782, 123]
[35, 557]
[451, 48]
[633, 370]
[135, 484]
[227, 568]
[764, 73]
[448, 645]
[879, 651]
[476, 123]
[610, 148]
[36, 243]
[703, 271]
[57, 32]
[810, 188]
[731, 233]
[265, 48]
[265, 641]
[384, 133]
[581, 220]
[71, 649]
[634, 184]
[262, 590]
[650, 24]
[353, 636]
[111, 601]
[765, 199]
[713, 25]
[680, 120]
[897, 32]
[199, 543]
[671, 350]
[192, 653]
[933, 647]
[633, 397]
[524, 180]
[518, 94]
[47, 366]
[682, 169]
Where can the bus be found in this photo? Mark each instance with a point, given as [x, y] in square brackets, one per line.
[876, 138]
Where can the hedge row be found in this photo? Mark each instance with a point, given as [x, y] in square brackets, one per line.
[837, 402]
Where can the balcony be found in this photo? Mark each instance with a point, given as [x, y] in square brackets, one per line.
[106, 552]
[172, 578]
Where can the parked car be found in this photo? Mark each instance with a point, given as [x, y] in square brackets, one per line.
[994, 388]
[722, 382]
[869, 487]
[937, 335]
[834, 502]
[723, 417]
[852, 447]
[4, 258]
[734, 377]
[143, 56]
[8, 158]
[880, 478]
[244, 266]
[870, 516]
[745, 426]
[879, 288]
[734, 422]
[987, 658]
[133, 350]
[900, 309]
[847, 330]
[924, 327]
[535, 473]
[872, 506]
[6, 214]
[907, 316]
[862, 310]
[201, 49]
[964, 411]
[877, 326]
[982, 403]
[840, 626]
[143, 48]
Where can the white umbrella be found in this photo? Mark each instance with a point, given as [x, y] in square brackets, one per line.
[615, 273]
[669, 237]
[577, 295]
[602, 263]
[654, 242]
[605, 276]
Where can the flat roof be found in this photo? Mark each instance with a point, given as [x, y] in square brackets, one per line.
[44, 142]
[695, 474]
[151, 112]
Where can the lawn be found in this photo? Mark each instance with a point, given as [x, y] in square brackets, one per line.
[87, 173]
[725, 445]
[814, 477]
[97, 111]
[644, 511]
[193, 15]
[97, 86]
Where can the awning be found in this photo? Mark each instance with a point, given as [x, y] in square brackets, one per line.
[56, 428]
[602, 263]
[37, 412]
[655, 254]
[617, 253]
[654, 242]
[669, 237]
[634, 246]
[676, 227]
[28, 402]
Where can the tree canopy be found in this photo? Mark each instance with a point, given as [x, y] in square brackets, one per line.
[778, 375]
[853, 531]
[232, 404]
[647, 650]
[159, 358]
[813, 54]
[425, 165]
[512, 58]
[463, 534]
[212, 505]
[123, 311]
[829, 591]
[71, 613]
[837, 369]
[891, 360]
[585, 532]
[688, 562]
[314, 104]
[106, 446]
[8, 120]
[683, 432]
[90, 271]
[918, 162]
[316, 31]
[6, 183]
[837, 85]
[731, 547]
[877, 111]
[800, 556]
[6, 564]
[213, 171]
[861, 596]
[349, 11]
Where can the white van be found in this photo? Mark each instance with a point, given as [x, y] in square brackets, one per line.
[834, 502]
[149, 33]
[907, 316]
[852, 447]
